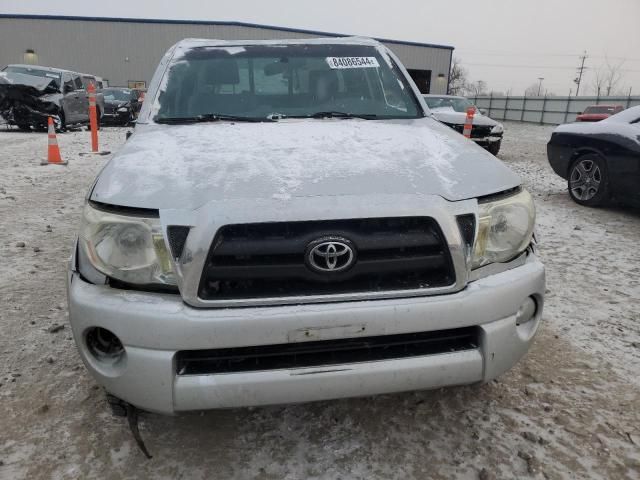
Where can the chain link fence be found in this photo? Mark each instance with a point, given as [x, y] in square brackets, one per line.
[550, 110]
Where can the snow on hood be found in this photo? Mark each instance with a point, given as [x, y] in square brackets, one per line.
[186, 166]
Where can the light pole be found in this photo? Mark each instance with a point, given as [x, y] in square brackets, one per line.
[540, 84]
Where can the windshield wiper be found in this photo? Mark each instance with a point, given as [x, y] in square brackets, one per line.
[334, 114]
[209, 117]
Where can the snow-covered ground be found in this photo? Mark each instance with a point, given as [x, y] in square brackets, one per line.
[570, 409]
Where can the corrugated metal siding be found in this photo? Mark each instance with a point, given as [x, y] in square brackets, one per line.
[122, 51]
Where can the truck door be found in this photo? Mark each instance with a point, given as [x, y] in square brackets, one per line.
[69, 101]
[82, 98]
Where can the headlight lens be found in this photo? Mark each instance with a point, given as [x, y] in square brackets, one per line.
[505, 228]
[128, 248]
[123, 109]
[497, 129]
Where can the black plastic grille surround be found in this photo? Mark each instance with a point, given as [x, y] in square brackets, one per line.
[266, 260]
[177, 235]
[325, 352]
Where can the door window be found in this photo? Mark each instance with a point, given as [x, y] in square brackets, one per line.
[68, 83]
[77, 82]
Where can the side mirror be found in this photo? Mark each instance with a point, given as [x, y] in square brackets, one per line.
[482, 111]
[579, 113]
[68, 89]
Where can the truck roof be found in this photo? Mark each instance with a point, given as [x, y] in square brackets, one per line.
[200, 42]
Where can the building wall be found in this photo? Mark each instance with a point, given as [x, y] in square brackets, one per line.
[123, 51]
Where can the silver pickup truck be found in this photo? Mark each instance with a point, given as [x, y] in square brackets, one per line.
[288, 223]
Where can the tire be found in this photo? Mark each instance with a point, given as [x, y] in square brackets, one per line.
[97, 119]
[494, 147]
[588, 180]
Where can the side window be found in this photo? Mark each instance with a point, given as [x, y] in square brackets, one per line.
[86, 81]
[68, 82]
[77, 82]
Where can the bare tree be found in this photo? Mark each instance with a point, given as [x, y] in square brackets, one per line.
[612, 76]
[477, 88]
[458, 81]
[532, 90]
[598, 81]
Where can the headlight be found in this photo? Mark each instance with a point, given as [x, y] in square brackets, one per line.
[123, 109]
[497, 129]
[505, 228]
[127, 248]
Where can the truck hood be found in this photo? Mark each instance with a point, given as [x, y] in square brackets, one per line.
[186, 166]
[38, 95]
[28, 84]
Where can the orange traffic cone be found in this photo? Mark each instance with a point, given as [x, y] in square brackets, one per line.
[53, 155]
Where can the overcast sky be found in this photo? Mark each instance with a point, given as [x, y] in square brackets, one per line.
[507, 43]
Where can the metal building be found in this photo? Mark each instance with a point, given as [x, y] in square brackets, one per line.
[125, 50]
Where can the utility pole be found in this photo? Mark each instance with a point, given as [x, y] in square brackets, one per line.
[581, 70]
[540, 84]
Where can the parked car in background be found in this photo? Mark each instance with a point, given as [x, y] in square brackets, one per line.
[30, 94]
[288, 223]
[122, 105]
[600, 161]
[452, 111]
[595, 113]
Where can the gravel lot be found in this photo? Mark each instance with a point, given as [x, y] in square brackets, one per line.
[570, 409]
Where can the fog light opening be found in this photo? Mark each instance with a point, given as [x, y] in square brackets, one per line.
[527, 311]
[104, 345]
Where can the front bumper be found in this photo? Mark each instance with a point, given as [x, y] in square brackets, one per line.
[115, 117]
[154, 327]
[486, 141]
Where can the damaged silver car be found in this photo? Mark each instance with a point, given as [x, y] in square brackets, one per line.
[288, 223]
[30, 94]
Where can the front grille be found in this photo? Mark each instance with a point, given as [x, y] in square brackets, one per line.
[481, 131]
[325, 353]
[477, 131]
[267, 260]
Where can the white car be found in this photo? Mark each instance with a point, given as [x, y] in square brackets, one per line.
[452, 111]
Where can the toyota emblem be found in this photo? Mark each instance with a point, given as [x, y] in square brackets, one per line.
[328, 255]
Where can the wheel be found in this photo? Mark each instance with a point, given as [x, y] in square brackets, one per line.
[97, 119]
[494, 147]
[588, 182]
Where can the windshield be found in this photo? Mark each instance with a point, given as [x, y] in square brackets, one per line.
[117, 94]
[34, 72]
[277, 81]
[454, 104]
